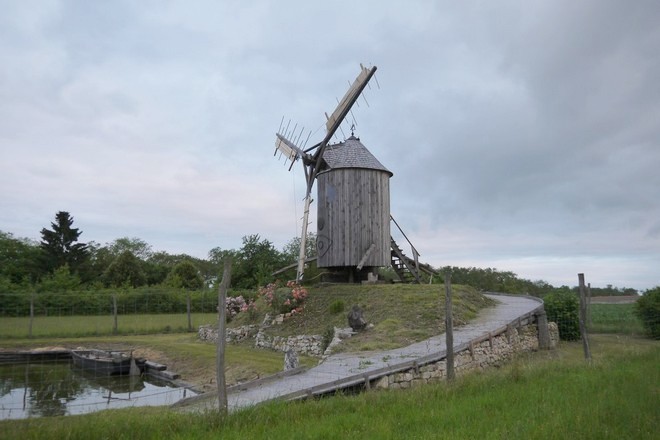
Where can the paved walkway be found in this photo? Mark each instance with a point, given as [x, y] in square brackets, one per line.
[344, 369]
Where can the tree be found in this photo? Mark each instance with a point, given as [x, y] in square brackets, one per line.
[291, 250]
[19, 260]
[139, 248]
[647, 308]
[60, 245]
[151, 264]
[185, 276]
[216, 261]
[255, 262]
[125, 270]
[562, 307]
[160, 264]
[60, 281]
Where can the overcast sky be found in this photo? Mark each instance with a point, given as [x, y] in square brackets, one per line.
[523, 136]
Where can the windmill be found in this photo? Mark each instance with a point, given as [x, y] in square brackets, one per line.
[312, 158]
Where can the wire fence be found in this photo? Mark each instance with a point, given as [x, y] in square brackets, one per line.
[143, 301]
[601, 319]
[74, 314]
[143, 311]
[50, 386]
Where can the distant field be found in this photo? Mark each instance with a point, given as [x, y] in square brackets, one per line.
[77, 326]
[623, 299]
[614, 318]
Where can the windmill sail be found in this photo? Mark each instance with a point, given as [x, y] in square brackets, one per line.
[337, 117]
[288, 148]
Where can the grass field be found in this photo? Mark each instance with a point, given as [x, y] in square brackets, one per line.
[544, 395]
[614, 318]
[92, 325]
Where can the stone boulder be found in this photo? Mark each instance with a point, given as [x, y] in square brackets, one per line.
[291, 360]
[356, 319]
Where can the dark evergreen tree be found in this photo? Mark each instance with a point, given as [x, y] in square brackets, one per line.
[60, 245]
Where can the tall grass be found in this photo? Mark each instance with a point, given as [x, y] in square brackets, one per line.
[547, 395]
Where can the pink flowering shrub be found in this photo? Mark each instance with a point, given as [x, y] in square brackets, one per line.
[250, 307]
[289, 299]
[238, 304]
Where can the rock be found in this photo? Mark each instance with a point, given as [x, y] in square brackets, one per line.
[290, 360]
[356, 319]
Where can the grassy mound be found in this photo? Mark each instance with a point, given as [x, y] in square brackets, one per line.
[401, 314]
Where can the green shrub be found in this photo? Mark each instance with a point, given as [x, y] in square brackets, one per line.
[647, 308]
[336, 307]
[563, 307]
[328, 336]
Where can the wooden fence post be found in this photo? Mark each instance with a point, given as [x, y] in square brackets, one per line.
[188, 311]
[31, 315]
[114, 313]
[588, 306]
[449, 329]
[543, 331]
[583, 318]
[222, 324]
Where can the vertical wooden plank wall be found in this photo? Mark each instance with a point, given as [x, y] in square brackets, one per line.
[354, 213]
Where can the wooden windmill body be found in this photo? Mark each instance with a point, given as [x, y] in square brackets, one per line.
[353, 221]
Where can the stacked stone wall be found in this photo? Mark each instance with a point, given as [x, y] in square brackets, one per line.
[210, 333]
[309, 345]
[494, 351]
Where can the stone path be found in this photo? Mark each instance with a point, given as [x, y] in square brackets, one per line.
[345, 369]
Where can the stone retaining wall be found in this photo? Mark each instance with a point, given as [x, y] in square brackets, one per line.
[209, 333]
[492, 352]
[309, 345]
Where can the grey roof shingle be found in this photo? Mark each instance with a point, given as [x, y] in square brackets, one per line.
[351, 154]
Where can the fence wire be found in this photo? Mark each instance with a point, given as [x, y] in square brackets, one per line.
[53, 385]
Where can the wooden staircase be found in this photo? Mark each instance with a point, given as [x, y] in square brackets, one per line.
[410, 270]
[403, 266]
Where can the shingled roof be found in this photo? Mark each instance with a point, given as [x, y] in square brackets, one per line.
[351, 154]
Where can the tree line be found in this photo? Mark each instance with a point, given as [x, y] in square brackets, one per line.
[60, 261]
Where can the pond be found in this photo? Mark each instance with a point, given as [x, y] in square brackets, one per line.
[58, 388]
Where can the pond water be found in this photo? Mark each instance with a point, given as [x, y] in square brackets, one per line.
[58, 388]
